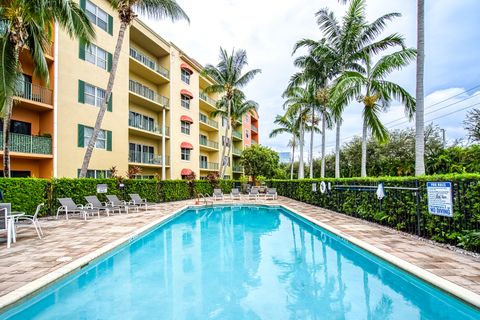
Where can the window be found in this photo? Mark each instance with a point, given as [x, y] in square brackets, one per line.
[203, 161]
[96, 55]
[246, 133]
[141, 121]
[185, 101]
[185, 127]
[185, 154]
[224, 122]
[226, 161]
[96, 174]
[94, 95]
[17, 126]
[185, 76]
[97, 16]
[225, 141]
[101, 142]
[226, 177]
[140, 153]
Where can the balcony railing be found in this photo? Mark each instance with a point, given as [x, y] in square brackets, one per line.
[254, 128]
[147, 158]
[147, 93]
[149, 63]
[208, 143]
[237, 134]
[236, 151]
[206, 98]
[208, 165]
[237, 168]
[212, 123]
[155, 128]
[34, 92]
[28, 144]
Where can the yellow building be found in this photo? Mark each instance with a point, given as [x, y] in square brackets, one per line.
[158, 119]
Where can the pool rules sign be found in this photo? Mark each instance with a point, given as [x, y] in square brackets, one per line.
[440, 198]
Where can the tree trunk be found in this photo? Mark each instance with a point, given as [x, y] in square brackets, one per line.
[6, 137]
[337, 151]
[103, 108]
[364, 150]
[420, 111]
[293, 157]
[301, 169]
[224, 143]
[311, 143]
[324, 124]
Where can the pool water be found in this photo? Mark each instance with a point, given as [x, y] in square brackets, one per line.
[241, 262]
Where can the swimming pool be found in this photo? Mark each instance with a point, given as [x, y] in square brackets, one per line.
[240, 262]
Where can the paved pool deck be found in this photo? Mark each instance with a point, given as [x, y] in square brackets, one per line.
[66, 241]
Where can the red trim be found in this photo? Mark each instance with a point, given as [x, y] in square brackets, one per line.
[186, 145]
[186, 172]
[186, 93]
[186, 119]
[185, 66]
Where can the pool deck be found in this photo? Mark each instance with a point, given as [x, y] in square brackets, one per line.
[65, 243]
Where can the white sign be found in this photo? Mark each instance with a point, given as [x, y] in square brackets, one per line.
[440, 198]
[314, 187]
[102, 188]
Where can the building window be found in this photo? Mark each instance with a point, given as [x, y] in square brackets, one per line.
[19, 127]
[185, 76]
[185, 127]
[96, 55]
[203, 162]
[185, 101]
[94, 95]
[97, 16]
[101, 142]
[247, 134]
[226, 177]
[141, 121]
[96, 174]
[140, 153]
[185, 154]
[224, 122]
[225, 141]
[226, 161]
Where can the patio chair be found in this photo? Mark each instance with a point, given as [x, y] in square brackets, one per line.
[33, 220]
[235, 194]
[94, 203]
[271, 193]
[114, 201]
[217, 194]
[68, 206]
[137, 200]
[254, 194]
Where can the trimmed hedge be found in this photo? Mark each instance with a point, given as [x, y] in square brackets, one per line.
[26, 193]
[403, 210]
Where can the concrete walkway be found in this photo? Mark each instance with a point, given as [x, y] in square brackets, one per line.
[65, 241]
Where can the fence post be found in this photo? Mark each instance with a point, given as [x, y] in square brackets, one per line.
[417, 202]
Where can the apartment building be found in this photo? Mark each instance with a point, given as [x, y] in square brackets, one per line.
[159, 118]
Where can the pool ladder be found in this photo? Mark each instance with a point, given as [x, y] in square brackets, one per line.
[205, 199]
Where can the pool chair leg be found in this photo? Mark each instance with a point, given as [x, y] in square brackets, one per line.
[39, 227]
[36, 229]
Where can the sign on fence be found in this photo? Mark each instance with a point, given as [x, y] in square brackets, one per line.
[440, 198]
[102, 188]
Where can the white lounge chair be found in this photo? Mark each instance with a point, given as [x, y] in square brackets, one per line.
[115, 202]
[235, 194]
[33, 220]
[254, 194]
[217, 194]
[137, 200]
[68, 206]
[271, 193]
[94, 203]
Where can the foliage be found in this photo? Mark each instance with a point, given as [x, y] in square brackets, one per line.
[472, 125]
[259, 160]
[24, 193]
[213, 179]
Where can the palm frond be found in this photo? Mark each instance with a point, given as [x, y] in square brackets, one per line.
[372, 120]
[9, 74]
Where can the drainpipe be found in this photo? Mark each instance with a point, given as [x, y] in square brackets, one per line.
[163, 144]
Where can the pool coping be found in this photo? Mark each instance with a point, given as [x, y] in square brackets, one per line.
[17, 296]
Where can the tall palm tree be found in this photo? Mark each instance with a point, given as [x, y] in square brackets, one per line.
[375, 93]
[240, 107]
[229, 80]
[289, 124]
[420, 112]
[323, 98]
[28, 25]
[127, 12]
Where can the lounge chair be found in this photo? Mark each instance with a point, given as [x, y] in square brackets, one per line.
[68, 206]
[254, 194]
[33, 220]
[271, 193]
[235, 194]
[115, 202]
[94, 203]
[217, 194]
[137, 200]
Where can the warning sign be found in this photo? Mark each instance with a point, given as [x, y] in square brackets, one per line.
[440, 198]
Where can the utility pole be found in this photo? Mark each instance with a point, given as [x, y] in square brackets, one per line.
[444, 139]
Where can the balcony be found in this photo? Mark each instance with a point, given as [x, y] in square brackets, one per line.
[149, 159]
[208, 124]
[237, 168]
[237, 135]
[24, 143]
[148, 68]
[35, 96]
[146, 97]
[254, 142]
[236, 151]
[147, 129]
[208, 165]
[206, 102]
[254, 129]
[209, 144]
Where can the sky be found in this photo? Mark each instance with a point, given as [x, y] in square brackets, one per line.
[268, 29]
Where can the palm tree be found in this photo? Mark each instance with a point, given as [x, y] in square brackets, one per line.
[420, 112]
[288, 123]
[127, 12]
[323, 98]
[240, 107]
[28, 25]
[229, 79]
[371, 89]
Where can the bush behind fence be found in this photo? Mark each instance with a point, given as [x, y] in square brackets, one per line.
[401, 209]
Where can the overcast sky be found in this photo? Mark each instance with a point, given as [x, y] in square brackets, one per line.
[269, 29]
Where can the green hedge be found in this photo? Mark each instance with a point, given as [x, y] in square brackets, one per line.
[26, 193]
[400, 209]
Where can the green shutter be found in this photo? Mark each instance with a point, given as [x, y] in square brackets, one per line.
[83, 4]
[109, 62]
[110, 24]
[109, 140]
[81, 91]
[81, 138]
[110, 103]
[81, 53]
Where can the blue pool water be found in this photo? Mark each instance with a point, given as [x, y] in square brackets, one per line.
[241, 262]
